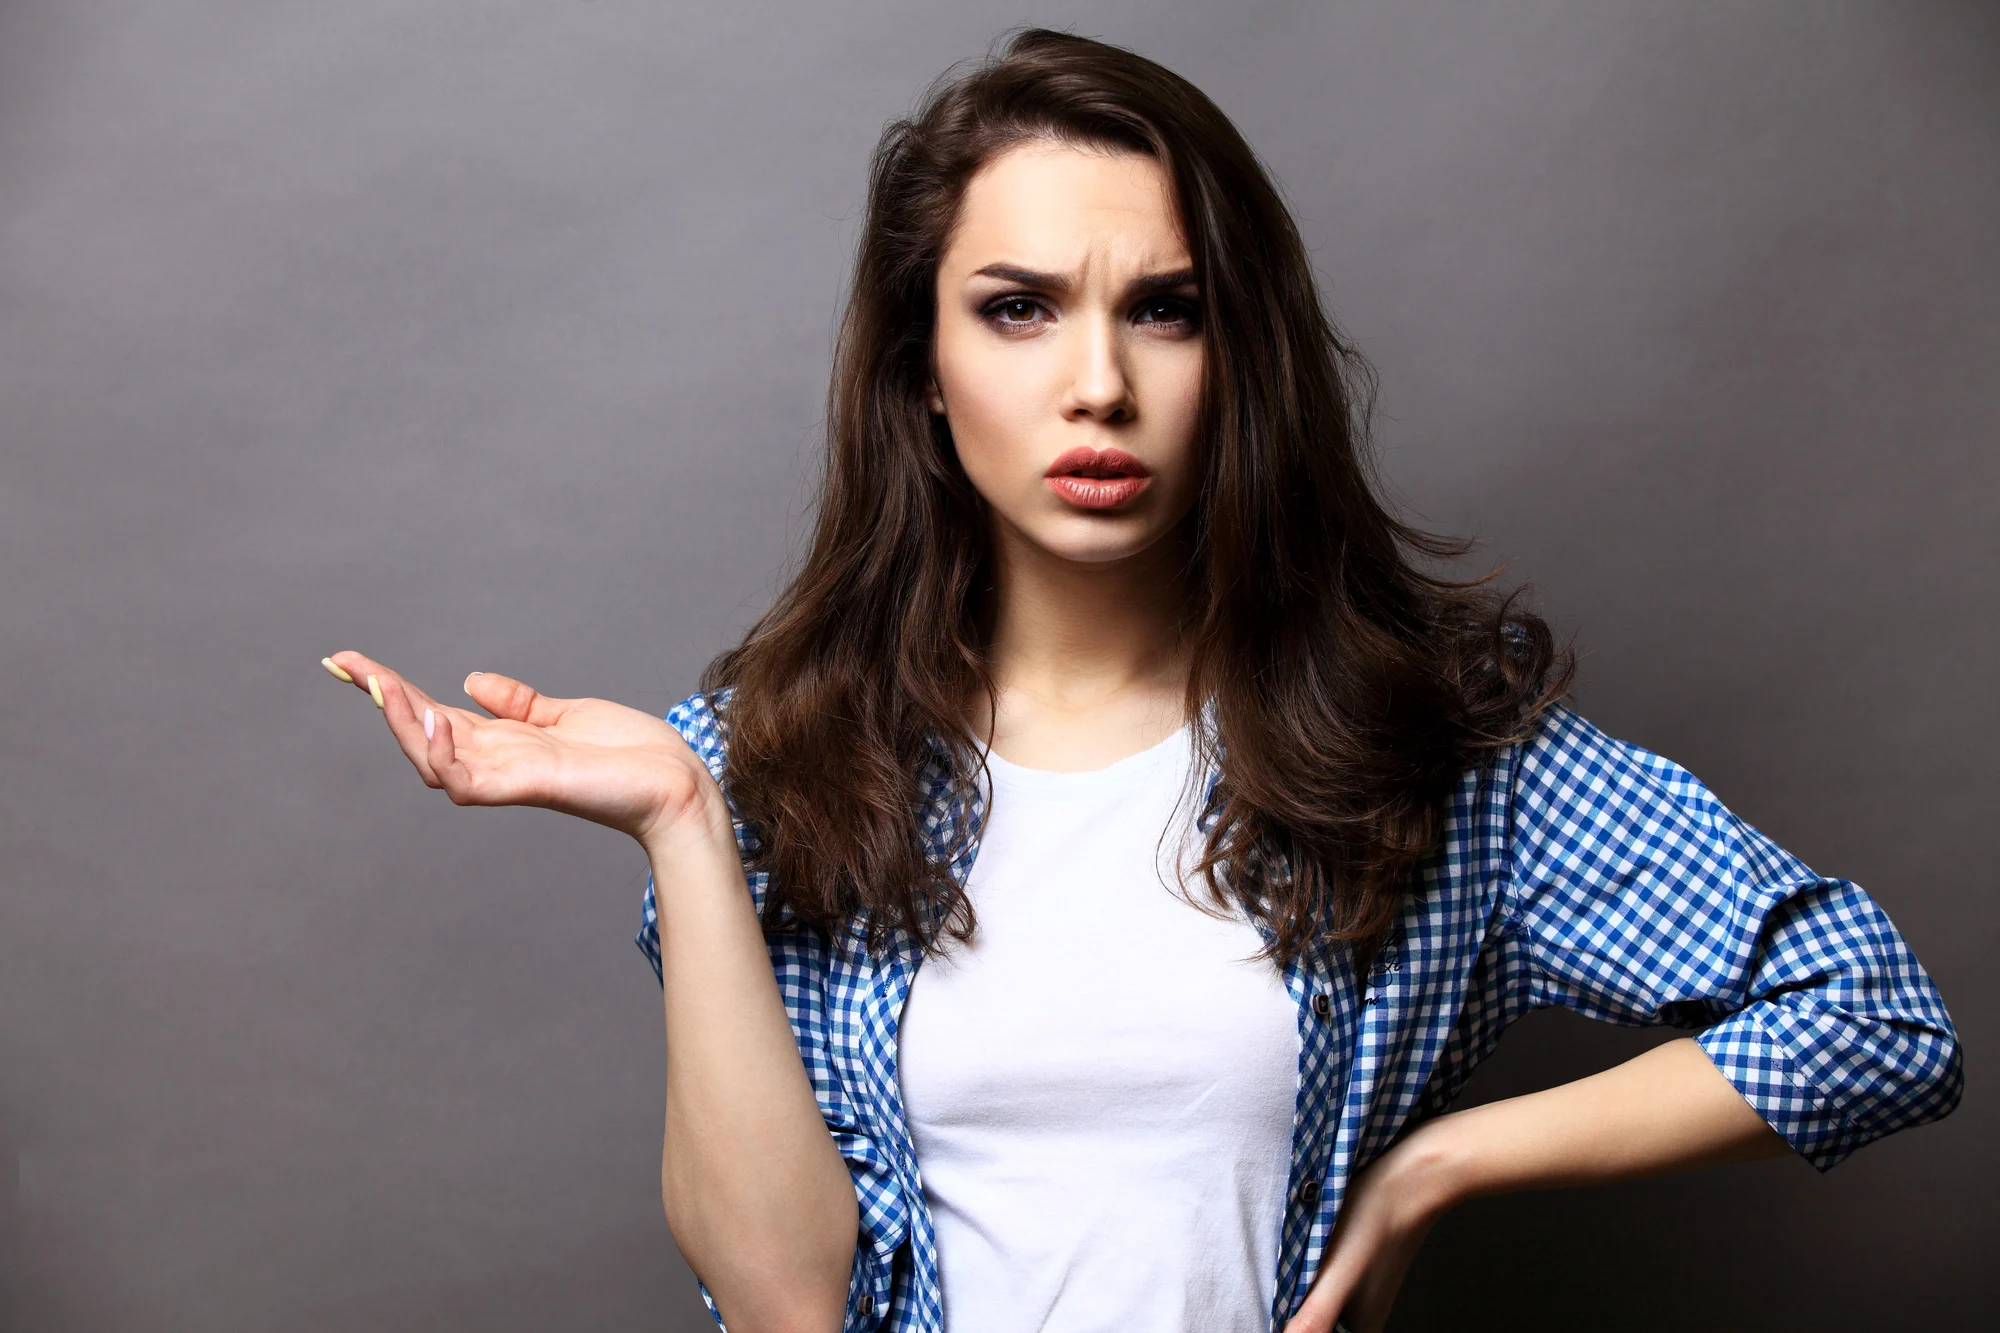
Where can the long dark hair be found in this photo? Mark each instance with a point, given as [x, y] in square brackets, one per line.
[1350, 688]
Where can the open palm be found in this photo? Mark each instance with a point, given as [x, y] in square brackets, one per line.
[591, 758]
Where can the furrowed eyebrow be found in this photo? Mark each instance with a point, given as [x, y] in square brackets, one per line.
[1162, 282]
[1145, 285]
[1026, 277]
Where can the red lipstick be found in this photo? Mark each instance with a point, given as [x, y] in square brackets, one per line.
[1097, 478]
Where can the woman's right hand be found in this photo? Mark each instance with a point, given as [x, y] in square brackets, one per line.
[756, 1193]
[591, 758]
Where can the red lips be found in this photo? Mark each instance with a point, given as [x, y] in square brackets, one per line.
[1084, 461]
[1097, 478]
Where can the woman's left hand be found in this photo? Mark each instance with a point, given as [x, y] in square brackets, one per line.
[1390, 1207]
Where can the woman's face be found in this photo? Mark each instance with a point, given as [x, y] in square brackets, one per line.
[1069, 338]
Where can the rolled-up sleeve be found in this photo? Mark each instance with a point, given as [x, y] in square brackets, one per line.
[1638, 898]
[799, 962]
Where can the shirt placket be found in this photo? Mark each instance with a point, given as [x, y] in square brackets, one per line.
[881, 1012]
[1329, 1015]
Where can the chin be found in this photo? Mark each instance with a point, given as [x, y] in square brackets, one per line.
[1106, 546]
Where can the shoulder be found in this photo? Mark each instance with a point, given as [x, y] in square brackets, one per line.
[699, 720]
[702, 720]
[1583, 802]
[1568, 765]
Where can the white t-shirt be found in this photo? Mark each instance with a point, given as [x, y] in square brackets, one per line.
[1099, 1090]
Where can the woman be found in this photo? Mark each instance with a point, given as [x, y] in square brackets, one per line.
[1097, 534]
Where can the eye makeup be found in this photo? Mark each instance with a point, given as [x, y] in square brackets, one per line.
[1012, 310]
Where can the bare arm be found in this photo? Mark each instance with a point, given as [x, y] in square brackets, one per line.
[1634, 895]
[1669, 1109]
[757, 1196]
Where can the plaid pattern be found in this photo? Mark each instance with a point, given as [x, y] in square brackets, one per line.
[1575, 870]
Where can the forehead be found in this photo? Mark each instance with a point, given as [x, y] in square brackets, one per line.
[1061, 208]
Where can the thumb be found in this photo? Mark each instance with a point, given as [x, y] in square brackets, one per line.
[505, 697]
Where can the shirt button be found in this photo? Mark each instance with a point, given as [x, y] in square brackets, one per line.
[1309, 1193]
[1322, 1004]
[865, 1306]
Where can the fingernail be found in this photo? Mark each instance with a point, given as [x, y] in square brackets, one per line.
[375, 690]
[467, 687]
[430, 723]
[334, 667]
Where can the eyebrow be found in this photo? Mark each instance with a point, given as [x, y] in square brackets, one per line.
[1144, 285]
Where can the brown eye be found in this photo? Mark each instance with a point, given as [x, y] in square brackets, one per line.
[1168, 310]
[1016, 310]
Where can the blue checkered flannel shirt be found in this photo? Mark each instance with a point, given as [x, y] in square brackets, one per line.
[1575, 870]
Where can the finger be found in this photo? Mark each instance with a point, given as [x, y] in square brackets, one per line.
[1311, 1318]
[441, 753]
[503, 696]
[1320, 1317]
[350, 666]
[407, 725]
[356, 668]
[397, 699]
[1325, 1304]
[1374, 1294]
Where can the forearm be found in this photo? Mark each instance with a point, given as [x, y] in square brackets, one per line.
[756, 1194]
[1666, 1110]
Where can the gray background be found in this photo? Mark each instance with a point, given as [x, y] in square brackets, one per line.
[493, 335]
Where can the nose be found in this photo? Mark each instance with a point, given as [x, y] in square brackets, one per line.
[1098, 385]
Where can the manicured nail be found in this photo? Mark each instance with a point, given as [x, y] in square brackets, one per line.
[430, 723]
[375, 690]
[334, 667]
[467, 687]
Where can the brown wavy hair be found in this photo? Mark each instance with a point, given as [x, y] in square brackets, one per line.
[1351, 689]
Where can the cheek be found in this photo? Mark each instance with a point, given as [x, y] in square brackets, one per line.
[1171, 392]
[1186, 392]
[993, 397]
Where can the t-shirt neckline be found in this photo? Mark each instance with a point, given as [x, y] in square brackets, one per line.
[1020, 775]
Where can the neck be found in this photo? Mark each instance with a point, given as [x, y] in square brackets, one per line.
[1076, 637]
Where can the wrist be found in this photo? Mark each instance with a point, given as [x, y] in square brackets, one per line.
[702, 827]
[689, 813]
[1435, 1168]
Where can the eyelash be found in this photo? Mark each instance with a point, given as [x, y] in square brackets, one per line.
[1189, 312]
